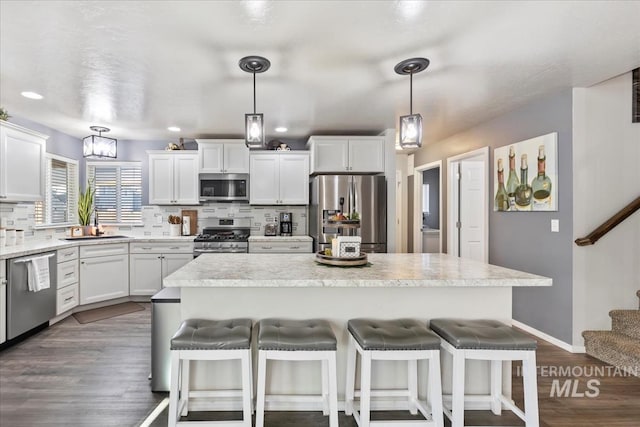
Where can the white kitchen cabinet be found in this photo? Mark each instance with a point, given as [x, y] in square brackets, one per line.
[104, 272]
[3, 301]
[68, 274]
[223, 156]
[22, 163]
[274, 247]
[173, 178]
[151, 262]
[280, 178]
[346, 154]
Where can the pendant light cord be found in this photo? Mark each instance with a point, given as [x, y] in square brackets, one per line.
[254, 93]
[410, 93]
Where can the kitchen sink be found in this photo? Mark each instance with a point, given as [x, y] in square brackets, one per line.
[104, 236]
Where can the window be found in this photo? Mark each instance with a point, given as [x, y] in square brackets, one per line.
[118, 186]
[60, 205]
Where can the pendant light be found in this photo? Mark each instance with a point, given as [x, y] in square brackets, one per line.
[99, 146]
[411, 125]
[254, 123]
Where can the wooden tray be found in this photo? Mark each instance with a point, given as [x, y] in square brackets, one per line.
[342, 261]
[193, 214]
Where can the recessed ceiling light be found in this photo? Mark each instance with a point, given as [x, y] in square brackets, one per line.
[281, 129]
[32, 95]
[174, 128]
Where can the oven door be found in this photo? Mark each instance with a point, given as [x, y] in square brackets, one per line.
[224, 187]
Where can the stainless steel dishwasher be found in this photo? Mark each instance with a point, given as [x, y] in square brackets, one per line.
[26, 309]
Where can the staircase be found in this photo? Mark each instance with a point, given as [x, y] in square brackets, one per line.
[620, 346]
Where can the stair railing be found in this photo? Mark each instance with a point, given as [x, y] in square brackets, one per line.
[609, 224]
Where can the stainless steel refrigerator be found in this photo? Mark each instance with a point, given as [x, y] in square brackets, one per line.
[364, 194]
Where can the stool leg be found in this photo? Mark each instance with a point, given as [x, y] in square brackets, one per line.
[412, 374]
[185, 386]
[174, 389]
[496, 386]
[365, 390]
[246, 388]
[325, 388]
[350, 382]
[530, 380]
[260, 393]
[457, 389]
[251, 383]
[435, 390]
[333, 391]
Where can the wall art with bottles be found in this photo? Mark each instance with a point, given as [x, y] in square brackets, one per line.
[525, 175]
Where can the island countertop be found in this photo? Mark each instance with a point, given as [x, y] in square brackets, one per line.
[384, 270]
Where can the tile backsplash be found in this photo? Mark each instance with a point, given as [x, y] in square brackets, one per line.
[154, 219]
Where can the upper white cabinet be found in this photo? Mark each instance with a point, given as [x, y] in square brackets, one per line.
[346, 154]
[21, 163]
[279, 178]
[173, 178]
[223, 156]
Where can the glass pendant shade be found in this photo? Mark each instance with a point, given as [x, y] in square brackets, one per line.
[254, 130]
[411, 131]
[99, 146]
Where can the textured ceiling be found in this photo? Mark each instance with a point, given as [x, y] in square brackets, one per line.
[141, 66]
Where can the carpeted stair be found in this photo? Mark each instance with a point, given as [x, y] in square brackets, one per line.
[620, 346]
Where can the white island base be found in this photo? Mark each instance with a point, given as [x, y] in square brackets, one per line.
[420, 286]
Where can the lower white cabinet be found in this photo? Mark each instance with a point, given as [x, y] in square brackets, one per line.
[280, 247]
[151, 262]
[104, 272]
[3, 301]
[67, 294]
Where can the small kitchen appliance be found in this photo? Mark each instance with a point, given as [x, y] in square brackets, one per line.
[223, 235]
[286, 224]
[271, 229]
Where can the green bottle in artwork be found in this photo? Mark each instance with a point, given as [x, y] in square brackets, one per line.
[512, 182]
[541, 185]
[523, 192]
[502, 198]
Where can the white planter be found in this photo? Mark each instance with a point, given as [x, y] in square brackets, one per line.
[175, 229]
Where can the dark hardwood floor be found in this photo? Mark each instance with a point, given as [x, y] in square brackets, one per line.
[96, 375]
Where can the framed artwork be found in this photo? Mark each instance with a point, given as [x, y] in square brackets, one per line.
[525, 175]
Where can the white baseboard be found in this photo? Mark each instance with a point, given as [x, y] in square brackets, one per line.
[548, 338]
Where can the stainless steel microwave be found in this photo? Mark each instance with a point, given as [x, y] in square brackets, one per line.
[224, 187]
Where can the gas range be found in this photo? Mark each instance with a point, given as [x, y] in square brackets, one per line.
[223, 235]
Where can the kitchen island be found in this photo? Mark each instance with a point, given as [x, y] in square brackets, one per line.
[421, 286]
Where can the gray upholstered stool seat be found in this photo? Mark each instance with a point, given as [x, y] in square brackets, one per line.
[404, 340]
[295, 335]
[202, 334]
[481, 334]
[298, 340]
[397, 334]
[210, 340]
[493, 341]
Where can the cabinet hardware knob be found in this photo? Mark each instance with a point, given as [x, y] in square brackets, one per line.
[295, 247]
[69, 274]
[68, 299]
[266, 247]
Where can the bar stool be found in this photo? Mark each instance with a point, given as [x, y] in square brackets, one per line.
[285, 339]
[199, 339]
[497, 342]
[402, 339]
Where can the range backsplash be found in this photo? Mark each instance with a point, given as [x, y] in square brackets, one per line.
[154, 219]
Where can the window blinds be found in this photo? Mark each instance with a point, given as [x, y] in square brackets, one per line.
[118, 191]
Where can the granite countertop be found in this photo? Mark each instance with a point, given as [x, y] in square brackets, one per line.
[385, 270]
[36, 246]
[263, 239]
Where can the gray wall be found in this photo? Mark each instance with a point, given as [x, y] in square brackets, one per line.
[523, 241]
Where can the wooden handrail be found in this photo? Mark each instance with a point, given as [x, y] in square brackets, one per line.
[609, 224]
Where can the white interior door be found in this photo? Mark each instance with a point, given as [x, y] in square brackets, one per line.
[468, 205]
[472, 212]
